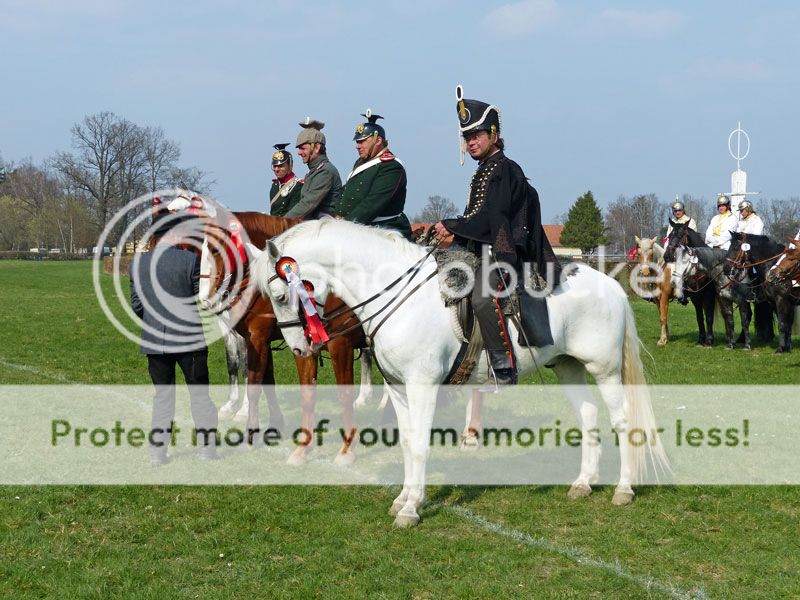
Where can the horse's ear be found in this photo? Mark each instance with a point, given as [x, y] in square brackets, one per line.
[636, 237]
[672, 223]
[654, 239]
[252, 251]
[274, 253]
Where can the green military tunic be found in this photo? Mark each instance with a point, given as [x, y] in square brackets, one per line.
[322, 187]
[375, 194]
[284, 197]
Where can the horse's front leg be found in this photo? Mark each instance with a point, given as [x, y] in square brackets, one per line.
[746, 314]
[307, 370]
[665, 291]
[400, 404]
[698, 315]
[726, 308]
[341, 351]
[259, 361]
[572, 377]
[470, 438]
[421, 406]
[785, 313]
[365, 390]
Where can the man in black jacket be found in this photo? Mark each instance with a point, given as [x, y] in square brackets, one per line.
[502, 216]
[164, 287]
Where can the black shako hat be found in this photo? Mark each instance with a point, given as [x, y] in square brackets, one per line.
[474, 115]
[281, 155]
[371, 127]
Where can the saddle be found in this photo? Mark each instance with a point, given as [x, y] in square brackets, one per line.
[528, 311]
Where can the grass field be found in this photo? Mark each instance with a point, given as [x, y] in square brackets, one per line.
[337, 542]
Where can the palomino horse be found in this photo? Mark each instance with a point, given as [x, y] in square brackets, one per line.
[649, 253]
[750, 259]
[415, 344]
[252, 316]
[698, 289]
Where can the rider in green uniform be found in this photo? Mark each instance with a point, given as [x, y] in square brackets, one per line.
[375, 191]
[285, 190]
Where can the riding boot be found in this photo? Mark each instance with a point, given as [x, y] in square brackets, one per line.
[505, 373]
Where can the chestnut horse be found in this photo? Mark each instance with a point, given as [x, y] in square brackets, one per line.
[251, 315]
[649, 254]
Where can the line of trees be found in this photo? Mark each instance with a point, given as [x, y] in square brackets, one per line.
[644, 215]
[66, 201]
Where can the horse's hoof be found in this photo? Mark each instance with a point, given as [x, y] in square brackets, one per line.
[361, 401]
[729, 347]
[395, 508]
[779, 350]
[345, 459]
[404, 521]
[746, 347]
[277, 425]
[297, 459]
[225, 413]
[622, 498]
[579, 490]
[661, 342]
[469, 443]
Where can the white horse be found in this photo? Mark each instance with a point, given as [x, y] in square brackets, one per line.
[590, 318]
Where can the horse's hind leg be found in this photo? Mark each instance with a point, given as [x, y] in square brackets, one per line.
[572, 375]
[234, 352]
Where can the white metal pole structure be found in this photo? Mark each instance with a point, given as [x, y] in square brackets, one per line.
[738, 177]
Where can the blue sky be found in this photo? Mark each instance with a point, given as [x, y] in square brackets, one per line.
[619, 98]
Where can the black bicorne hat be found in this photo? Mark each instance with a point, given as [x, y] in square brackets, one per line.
[281, 155]
[371, 127]
[474, 115]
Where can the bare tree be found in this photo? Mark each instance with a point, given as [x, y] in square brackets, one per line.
[161, 156]
[191, 178]
[94, 169]
[642, 216]
[781, 217]
[435, 210]
[33, 189]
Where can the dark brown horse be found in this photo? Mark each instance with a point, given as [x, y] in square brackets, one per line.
[252, 316]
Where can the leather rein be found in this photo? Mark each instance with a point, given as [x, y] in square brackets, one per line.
[343, 309]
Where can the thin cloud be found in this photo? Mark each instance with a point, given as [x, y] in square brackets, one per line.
[640, 23]
[521, 18]
[729, 71]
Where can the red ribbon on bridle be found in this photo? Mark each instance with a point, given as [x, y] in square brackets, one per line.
[288, 270]
[235, 230]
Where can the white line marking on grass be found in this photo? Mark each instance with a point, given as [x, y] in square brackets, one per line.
[580, 557]
[35, 371]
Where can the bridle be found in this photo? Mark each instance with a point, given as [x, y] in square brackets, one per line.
[342, 310]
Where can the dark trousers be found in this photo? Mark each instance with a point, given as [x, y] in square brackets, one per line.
[491, 320]
[194, 366]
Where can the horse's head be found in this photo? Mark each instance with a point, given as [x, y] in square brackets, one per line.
[224, 263]
[678, 236]
[279, 279]
[686, 267]
[787, 269]
[645, 254]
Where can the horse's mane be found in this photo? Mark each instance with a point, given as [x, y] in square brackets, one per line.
[267, 225]
[754, 240]
[709, 257]
[355, 234]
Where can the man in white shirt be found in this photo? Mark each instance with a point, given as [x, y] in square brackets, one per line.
[749, 221]
[679, 216]
[718, 234]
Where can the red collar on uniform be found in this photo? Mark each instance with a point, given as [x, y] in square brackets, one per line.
[288, 177]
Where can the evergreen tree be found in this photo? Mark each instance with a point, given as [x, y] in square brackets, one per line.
[584, 228]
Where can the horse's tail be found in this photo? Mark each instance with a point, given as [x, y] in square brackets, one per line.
[639, 409]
